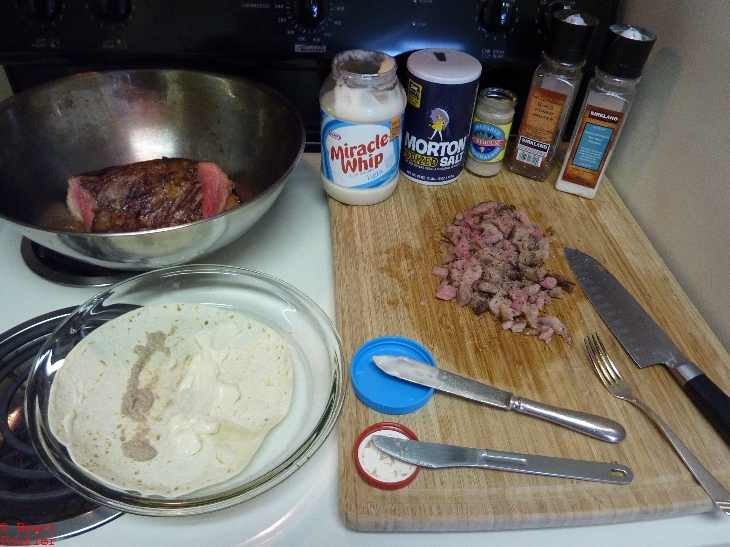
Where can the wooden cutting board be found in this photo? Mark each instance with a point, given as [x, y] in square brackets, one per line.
[383, 255]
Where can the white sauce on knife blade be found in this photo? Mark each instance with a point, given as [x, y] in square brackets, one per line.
[381, 466]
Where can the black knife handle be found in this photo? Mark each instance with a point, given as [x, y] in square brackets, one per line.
[712, 401]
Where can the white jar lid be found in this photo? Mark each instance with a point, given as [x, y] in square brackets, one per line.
[444, 66]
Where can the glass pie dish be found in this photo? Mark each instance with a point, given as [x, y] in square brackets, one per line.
[317, 389]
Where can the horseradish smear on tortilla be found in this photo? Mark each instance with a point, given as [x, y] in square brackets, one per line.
[171, 398]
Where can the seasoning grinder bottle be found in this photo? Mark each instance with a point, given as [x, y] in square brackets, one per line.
[361, 106]
[490, 130]
[608, 99]
[551, 96]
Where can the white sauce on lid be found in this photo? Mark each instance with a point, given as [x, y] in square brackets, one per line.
[380, 466]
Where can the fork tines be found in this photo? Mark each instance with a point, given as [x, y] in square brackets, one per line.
[599, 357]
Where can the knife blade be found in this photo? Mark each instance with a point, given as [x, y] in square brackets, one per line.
[644, 340]
[437, 456]
[448, 382]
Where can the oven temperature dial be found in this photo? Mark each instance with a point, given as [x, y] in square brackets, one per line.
[111, 11]
[497, 15]
[310, 13]
[41, 10]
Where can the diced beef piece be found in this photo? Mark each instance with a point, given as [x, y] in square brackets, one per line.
[554, 325]
[150, 194]
[446, 292]
[549, 282]
[566, 284]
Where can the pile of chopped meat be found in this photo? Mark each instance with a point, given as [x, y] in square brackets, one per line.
[494, 262]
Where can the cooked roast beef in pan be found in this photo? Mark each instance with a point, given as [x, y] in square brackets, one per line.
[149, 194]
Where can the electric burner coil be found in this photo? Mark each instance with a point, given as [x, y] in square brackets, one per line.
[29, 492]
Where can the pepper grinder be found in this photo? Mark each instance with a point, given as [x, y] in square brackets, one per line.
[551, 96]
[610, 95]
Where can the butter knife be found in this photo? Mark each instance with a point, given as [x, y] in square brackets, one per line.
[448, 382]
[436, 456]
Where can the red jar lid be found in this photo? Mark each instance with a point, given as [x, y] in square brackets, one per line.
[378, 469]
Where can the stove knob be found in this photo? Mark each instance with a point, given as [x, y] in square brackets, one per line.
[498, 15]
[310, 13]
[112, 11]
[42, 10]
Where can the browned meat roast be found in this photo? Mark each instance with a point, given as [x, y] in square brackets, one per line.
[149, 194]
[494, 261]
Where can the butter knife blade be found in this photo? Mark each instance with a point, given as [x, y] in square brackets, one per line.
[437, 456]
[448, 382]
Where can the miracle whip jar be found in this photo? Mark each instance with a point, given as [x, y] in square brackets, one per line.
[362, 104]
[442, 91]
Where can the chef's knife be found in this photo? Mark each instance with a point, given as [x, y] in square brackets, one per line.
[436, 456]
[644, 340]
[426, 375]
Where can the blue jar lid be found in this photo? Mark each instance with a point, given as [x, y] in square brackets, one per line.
[380, 391]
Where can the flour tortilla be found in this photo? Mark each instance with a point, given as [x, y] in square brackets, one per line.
[171, 398]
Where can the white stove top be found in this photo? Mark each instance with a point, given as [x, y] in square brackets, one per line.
[293, 243]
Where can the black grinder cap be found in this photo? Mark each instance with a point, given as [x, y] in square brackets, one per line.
[624, 56]
[569, 42]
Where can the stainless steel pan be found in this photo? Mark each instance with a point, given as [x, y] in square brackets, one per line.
[95, 120]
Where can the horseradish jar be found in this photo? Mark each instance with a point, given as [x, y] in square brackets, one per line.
[361, 104]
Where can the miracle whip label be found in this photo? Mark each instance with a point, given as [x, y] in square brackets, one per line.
[437, 126]
[358, 155]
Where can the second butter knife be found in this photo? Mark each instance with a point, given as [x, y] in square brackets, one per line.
[436, 456]
[448, 382]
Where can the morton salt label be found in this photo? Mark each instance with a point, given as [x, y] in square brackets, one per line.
[441, 90]
[360, 155]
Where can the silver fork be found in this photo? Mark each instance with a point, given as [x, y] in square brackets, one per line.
[621, 389]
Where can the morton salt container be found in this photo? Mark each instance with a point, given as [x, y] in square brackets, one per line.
[442, 90]
[362, 103]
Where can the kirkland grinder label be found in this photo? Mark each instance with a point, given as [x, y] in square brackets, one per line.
[436, 133]
[593, 142]
[539, 126]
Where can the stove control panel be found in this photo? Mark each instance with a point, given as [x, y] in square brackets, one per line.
[239, 31]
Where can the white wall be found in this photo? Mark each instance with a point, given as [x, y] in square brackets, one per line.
[671, 165]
